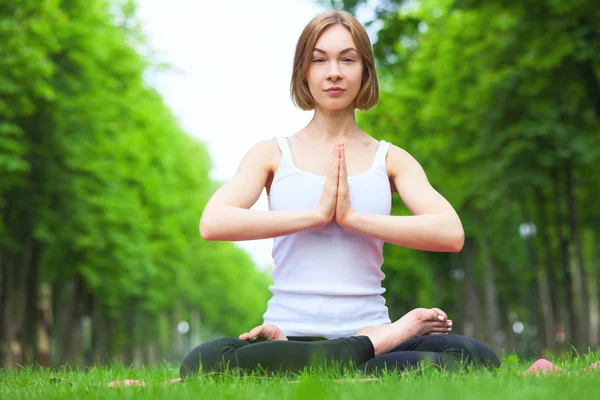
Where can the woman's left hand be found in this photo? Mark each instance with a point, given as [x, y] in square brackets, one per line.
[344, 209]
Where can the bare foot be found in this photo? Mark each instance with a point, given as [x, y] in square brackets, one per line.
[264, 333]
[389, 336]
[415, 323]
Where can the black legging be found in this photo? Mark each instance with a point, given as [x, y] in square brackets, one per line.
[446, 351]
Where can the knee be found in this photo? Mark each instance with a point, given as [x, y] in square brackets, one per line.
[486, 356]
[473, 352]
[210, 356]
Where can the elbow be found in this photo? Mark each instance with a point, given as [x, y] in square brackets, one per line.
[455, 235]
[206, 229]
[456, 242]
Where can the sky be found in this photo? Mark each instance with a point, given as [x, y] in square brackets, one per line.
[229, 85]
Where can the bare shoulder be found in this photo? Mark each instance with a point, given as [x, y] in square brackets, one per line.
[400, 160]
[265, 153]
[265, 147]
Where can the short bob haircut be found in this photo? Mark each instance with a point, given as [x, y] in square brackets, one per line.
[368, 94]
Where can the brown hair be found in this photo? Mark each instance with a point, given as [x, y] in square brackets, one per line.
[368, 94]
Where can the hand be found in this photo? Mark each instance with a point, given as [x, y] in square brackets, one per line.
[343, 208]
[263, 333]
[428, 321]
[327, 204]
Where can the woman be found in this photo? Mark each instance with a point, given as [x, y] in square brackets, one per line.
[330, 187]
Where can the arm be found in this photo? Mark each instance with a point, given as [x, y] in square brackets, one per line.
[227, 215]
[434, 225]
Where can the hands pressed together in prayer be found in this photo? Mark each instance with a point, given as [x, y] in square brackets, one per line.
[334, 204]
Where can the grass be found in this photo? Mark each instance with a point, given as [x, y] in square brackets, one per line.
[428, 383]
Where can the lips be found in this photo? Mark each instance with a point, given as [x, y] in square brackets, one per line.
[334, 92]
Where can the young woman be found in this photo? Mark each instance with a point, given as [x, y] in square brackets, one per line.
[330, 190]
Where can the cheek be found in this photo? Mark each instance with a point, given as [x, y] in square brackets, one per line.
[315, 83]
[357, 75]
[314, 77]
[356, 81]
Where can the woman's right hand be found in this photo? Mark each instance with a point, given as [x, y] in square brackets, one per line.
[428, 321]
[263, 333]
[327, 204]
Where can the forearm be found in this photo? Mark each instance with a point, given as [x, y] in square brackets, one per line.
[430, 232]
[237, 224]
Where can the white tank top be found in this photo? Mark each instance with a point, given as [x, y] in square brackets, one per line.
[327, 281]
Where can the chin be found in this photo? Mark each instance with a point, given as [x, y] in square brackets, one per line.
[335, 105]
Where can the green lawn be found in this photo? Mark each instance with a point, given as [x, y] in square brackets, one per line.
[506, 383]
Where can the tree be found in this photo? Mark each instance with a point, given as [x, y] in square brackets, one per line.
[498, 101]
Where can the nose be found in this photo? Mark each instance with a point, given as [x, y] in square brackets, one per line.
[334, 72]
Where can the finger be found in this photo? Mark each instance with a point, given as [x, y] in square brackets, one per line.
[255, 332]
[436, 324]
[336, 166]
[440, 329]
[244, 336]
[336, 156]
[343, 177]
[332, 164]
[440, 313]
[431, 315]
[331, 174]
[343, 163]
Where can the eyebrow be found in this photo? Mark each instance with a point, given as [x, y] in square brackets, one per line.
[346, 50]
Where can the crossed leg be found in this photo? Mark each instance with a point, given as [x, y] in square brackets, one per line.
[450, 352]
[445, 351]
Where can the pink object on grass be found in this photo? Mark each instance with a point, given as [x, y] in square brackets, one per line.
[126, 382]
[172, 381]
[595, 367]
[542, 367]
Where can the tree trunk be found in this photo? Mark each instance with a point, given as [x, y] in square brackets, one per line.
[457, 281]
[582, 289]
[596, 326]
[70, 330]
[99, 333]
[544, 318]
[7, 331]
[30, 332]
[130, 331]
[2, 291]
[138, 343]
[491, 296]
[18, 316]
[573, 333]
[510, 341]
[45, 325]
[554, 290]
[472, 321]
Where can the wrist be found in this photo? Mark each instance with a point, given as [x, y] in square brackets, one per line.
[350, 220]
[318, 218]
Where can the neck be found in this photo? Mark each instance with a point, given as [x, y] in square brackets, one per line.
[333, 124]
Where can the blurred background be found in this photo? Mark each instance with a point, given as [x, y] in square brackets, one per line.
[119, 118]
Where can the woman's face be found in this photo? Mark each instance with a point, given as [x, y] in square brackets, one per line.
[335, 63]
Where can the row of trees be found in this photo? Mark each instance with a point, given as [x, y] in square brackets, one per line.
[100, 197]
[101, 190]
[500, 102]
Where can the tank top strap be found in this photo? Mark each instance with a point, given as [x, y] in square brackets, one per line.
[286, 164]
[284, 146]
[381, 154]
